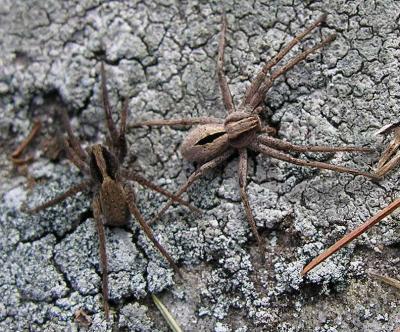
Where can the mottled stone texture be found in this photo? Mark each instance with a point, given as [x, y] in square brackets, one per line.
[162, 56]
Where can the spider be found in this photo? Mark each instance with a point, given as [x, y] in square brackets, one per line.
[390, 159]
[215, 140]
[113, 196]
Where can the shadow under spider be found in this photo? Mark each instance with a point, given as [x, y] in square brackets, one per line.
[113, 195]
[215, 140]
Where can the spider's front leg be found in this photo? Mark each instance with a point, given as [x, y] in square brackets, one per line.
[117, 137]
[262, 74]
[223, 84]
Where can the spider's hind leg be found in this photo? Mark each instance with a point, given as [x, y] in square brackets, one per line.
[130, 201]
[98, 217]
[245, 199]
[266, 150]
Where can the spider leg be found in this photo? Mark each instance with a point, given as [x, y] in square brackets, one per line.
[252, 89]
[394, 162]
[73, 140]
[258, 96]
[384, 164]
[74, 157]
[121, 146]
[130, 200]
[245, 198]
[98, 217]
[286, 146]
[146, 183]
[85, 184]
[223, 84]
[107, 107]
[258, 146]
[352, 235]
[174, 122]
[193, 177]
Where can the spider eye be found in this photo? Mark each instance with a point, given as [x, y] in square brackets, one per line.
[210, 138]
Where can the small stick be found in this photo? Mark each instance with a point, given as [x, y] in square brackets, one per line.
[352, 235]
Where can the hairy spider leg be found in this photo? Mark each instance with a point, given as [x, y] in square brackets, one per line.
[173, 122]
[130, 201]
[254, 86]
[287, 146]
[82, 186]
[384, 164]
[118, 141]
[266, 85]
[148, 184]
[72, 139]
[99, 218]
[245, 198]
[193, 177]
[266, 150]
[223, 83]
[352, 235]
[107, 107]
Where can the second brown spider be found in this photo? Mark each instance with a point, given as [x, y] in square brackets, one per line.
[113, 195]
[215, 140]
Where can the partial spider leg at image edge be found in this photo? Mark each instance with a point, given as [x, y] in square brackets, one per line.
[352, 235]
[391, 156]
[213, 142]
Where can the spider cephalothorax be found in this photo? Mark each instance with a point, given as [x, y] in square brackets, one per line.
[215, 140]
[113, 196]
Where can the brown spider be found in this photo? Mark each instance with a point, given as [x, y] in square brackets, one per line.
[113, 197]
[215, 140]
[390, 159]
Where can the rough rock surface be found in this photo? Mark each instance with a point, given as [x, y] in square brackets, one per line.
[162, 56]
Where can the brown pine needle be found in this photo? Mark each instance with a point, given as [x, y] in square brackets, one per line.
[352, 235]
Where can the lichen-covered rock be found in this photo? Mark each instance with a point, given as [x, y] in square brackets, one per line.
[161, 55]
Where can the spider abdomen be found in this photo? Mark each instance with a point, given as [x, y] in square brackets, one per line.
[205, 142]
[113, 205]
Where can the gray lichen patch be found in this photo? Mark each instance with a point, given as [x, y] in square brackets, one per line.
[161, 55]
